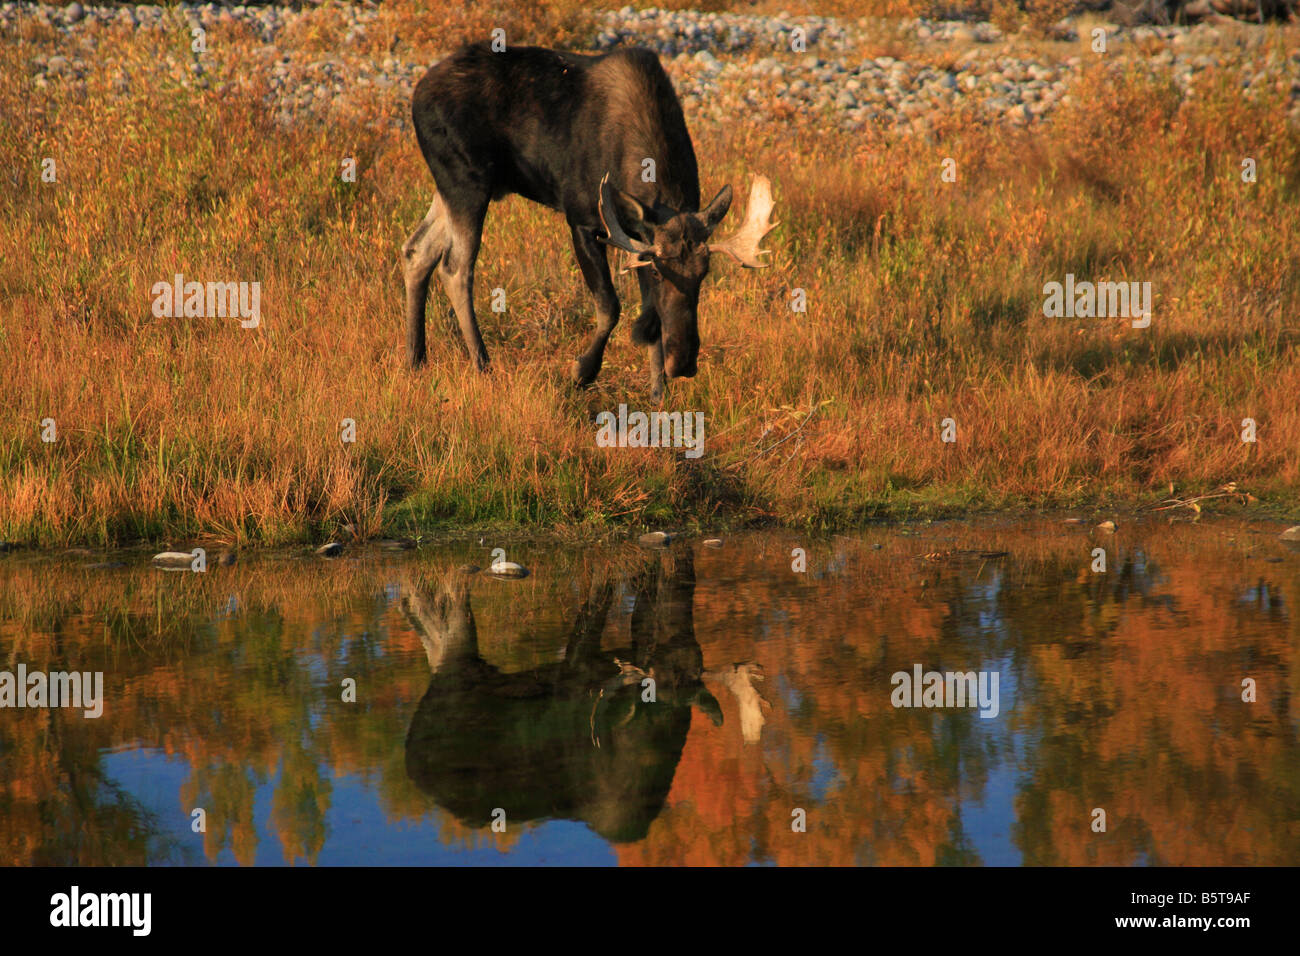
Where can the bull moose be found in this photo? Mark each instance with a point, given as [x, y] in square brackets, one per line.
[576, 739]
[577, 134]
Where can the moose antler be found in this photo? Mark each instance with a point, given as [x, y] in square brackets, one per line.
[616, 236]
[742, 245]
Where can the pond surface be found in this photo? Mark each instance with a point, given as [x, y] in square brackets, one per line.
[688, 705]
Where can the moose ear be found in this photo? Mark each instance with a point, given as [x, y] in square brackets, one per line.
[712, 214]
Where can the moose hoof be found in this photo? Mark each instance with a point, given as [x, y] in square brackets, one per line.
[581, 373]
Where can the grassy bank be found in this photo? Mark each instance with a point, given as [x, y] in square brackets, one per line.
[924, 302]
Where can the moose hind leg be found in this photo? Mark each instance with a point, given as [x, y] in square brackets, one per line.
[456, 270]
[421, 253]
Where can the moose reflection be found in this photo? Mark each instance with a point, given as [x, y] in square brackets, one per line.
[580, 739]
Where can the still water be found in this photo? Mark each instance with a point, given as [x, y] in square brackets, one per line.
[387, 708]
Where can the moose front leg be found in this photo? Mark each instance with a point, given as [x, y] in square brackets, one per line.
[656, 352]
[649, 331]
[594, 263]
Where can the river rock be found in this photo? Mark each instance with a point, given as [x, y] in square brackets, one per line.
[173, 560]
[713, 542]
[709, 65]
[655, 539]
[331, 550]
[1107, 526]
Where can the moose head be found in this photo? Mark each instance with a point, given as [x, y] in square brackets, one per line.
[672, 250]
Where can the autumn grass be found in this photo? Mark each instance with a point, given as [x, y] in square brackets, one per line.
[924, 302]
